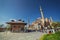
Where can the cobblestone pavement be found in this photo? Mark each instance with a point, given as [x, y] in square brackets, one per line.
[20, 36]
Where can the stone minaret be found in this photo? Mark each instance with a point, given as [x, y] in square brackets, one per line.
[51, 21]
[42, 16]
[41, 12]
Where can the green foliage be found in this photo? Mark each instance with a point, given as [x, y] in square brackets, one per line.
[56, 24]
[1, 25]
[8, 27]
[55, 36]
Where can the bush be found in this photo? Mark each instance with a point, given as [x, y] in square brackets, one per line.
[55, 36]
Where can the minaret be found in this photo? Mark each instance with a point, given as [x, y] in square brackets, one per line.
[42, 17]
[41, 12]
[51, 19]
[28, 22]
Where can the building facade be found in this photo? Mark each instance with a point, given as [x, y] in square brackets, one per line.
[42, 22]
[17, 26]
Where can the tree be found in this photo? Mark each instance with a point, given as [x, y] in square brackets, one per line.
[7, 27]
[56, 24]
[1, 25]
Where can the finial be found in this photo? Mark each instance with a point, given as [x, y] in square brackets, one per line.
[40, 8]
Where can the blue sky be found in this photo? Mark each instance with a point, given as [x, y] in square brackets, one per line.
[22, 9]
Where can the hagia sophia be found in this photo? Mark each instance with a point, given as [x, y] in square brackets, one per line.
[41, 22]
